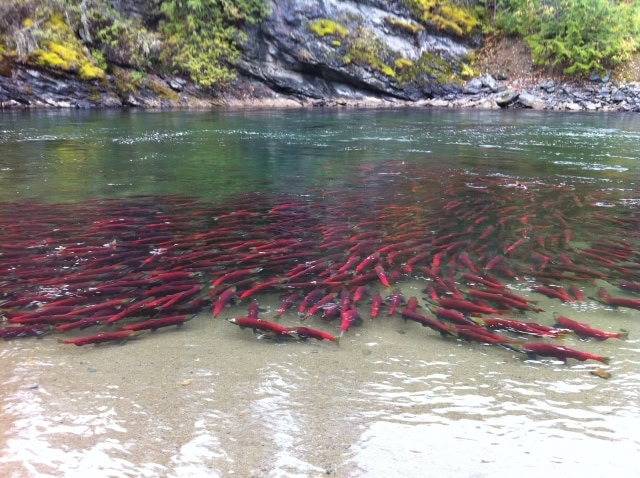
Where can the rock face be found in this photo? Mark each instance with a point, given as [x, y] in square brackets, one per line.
[319, 52]
[305, 52]
[350, 50]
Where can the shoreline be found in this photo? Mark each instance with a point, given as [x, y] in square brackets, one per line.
[40, 90]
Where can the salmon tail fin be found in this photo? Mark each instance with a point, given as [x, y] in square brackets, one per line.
[451, 331]
[515, 347]
[605, 360]
[623, 334]
[337, 340]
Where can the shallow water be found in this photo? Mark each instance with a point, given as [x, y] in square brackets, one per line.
[393, 399]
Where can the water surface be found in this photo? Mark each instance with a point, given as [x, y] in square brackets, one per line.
[394, 399]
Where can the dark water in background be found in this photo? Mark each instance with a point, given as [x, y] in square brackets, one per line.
[210, 400]
[67, 156]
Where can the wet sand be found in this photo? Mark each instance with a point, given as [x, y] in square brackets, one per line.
[394, 399]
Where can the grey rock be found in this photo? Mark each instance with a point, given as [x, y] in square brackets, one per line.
[176, 84]
[304, 65]
[489, 82]
[572, 106]
[473, 86]
[529, 100]
[131, 100]
[507, 98]
[549, 86]
[619, 96]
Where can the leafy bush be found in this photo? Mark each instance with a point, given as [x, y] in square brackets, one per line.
[203, 36]
[124, 41]
[579, 36]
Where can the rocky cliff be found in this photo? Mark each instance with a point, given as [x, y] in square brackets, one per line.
[306, 52]
[349, 51]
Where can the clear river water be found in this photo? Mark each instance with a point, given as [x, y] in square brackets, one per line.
[434, 199]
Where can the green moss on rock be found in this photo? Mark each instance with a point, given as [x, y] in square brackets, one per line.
[444, 15]
[366, 49]
[428, 68]
[324, 27]
[402, 63]
[60, 50]
[407, 27]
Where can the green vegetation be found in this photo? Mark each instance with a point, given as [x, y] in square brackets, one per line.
[164, 92]
[444, 15]
[324, 27]
[427, 68]
[366, 49]
[579, 36]
[402, 63]
[201, 39]
[123, 41]
[59, 49]
[202, 36]
[409, 27]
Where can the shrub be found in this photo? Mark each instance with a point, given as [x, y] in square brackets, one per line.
[203, 36]
[125, 41]
[579, 36]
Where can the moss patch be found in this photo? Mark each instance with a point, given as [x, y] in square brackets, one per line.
[324, 27]
[407, 27]
[164, 92]
[402, 63]
[444, 15]
[60, 50]
[426, 69]
[365, 49]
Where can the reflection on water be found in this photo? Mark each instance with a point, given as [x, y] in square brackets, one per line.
[394, 399]
[64, 156]
[490, 424]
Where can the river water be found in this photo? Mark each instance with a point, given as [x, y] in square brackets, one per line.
[393, 399]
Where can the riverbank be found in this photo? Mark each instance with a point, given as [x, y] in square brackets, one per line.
[32, 89]
[505, 79]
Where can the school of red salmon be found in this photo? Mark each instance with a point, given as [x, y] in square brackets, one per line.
[109, 270]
